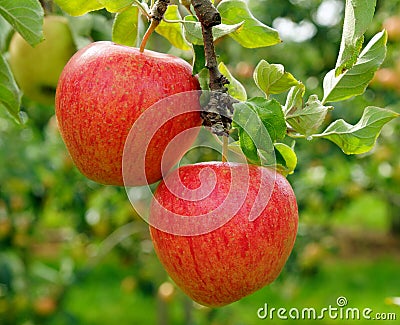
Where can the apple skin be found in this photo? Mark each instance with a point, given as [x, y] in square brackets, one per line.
[37, 69]
[102, 92]
[238, 258]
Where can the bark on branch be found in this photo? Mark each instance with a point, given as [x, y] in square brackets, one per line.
[218, 113]
[159, 9]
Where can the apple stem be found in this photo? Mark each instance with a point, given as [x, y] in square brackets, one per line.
[157, 14]
[149, 31]
[224, 149]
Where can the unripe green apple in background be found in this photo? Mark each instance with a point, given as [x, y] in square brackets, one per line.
[37, 69]
[246, 217]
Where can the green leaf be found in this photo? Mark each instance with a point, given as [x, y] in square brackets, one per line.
[81, 28]
[222, 30]
[358, 17]
[361, 137]
[235, 88]
[286, 159]
[26, 17]
[271, 114]
[253, 33]
[199, 60]
[192, 29]
[173, 32]
[272, 78]
[101, 28]
[248, 147]
[126, 26]
[305, 119]
[260, 122]
[116, 5]
[355, 80]
[294, 99]
[5, 30]
[10, 96]
[193, 33]
[204, 80]
[78, 7]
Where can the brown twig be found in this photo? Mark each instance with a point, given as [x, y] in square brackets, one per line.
[209, 17]
[47, 6]
[217, 115]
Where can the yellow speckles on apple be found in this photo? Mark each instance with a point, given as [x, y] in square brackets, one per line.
[241, 256]
[104, 103]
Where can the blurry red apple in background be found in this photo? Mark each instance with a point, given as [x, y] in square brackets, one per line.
[392, 25]
[103, 90]
[238, 256]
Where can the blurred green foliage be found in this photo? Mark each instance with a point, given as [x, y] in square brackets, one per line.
[59, 264]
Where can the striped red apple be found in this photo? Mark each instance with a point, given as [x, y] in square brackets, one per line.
[102, 92]
[223, 230]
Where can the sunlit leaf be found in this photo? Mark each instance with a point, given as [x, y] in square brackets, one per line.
[305, 119]
[235, 88]
[253, 33]
[125, 27]
[116, 5]
[294, 99]
[248, 146]
[272, 78]
[361, 137]
[222, 30]
[286, 158]
[10, 96]
[79, 7]
[173, 32]
[355, 80]
[26, 16]
[358, 17]
[193, 33]
[260, 122]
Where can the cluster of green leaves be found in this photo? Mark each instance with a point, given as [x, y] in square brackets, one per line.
[302, 118]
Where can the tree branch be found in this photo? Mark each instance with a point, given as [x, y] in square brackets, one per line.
[209, 17]
[159, 9]
[218, 113]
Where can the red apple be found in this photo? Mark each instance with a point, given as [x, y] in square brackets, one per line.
[392, 25]
[223, 230]
[102, 92]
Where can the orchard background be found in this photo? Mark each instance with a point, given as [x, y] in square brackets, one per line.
[74, 252]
